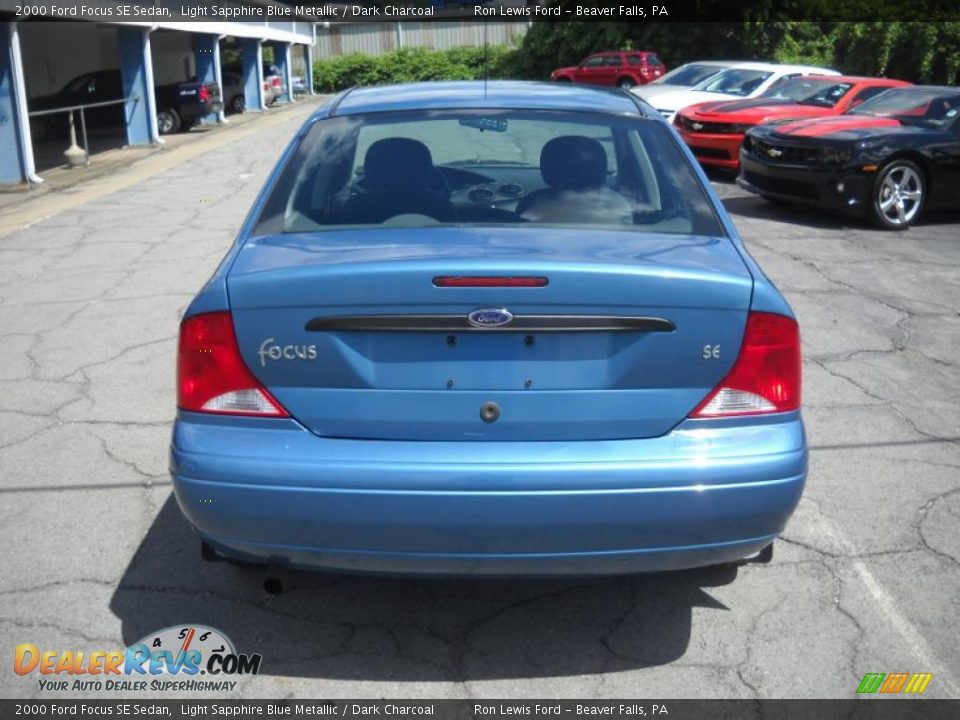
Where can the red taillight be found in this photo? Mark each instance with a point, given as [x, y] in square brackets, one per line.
[204, 94]
[483, 281]
[766, 375]
[211, 374]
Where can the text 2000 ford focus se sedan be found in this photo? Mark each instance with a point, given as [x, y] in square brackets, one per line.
[488, 330]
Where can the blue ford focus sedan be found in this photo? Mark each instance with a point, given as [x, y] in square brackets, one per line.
[488, 329]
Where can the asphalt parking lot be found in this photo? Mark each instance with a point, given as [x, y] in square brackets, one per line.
[96, 555]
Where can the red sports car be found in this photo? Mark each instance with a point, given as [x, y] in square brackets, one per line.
[715, 130]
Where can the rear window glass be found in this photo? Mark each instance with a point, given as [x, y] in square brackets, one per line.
[688, 75]
[809, 91]
[543, 168]
[925, 107]
[735, 82]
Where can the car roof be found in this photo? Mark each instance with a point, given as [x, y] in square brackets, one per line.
[498, 94]
[856, 79]
[945, 89]
[713, 63]
[780, 67]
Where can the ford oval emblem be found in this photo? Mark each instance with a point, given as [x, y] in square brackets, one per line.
[490, 317]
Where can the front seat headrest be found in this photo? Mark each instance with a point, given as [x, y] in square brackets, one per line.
[397, 163]
[573, 162]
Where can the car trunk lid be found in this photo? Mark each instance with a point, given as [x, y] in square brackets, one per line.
[354, 335]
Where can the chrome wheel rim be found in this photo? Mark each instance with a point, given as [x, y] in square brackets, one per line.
[901, 194]
[165, 122]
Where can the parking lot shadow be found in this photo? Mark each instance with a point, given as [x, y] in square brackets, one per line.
[372, 628]
[755, 207]
[740, 203]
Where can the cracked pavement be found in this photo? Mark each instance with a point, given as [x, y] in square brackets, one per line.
[96, 554]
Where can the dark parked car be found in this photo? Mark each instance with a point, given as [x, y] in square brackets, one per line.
[889, 158]
[179, 105]
[84, 89]
[622, 68]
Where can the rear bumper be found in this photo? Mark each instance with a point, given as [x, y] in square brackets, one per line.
[269, 491]
[715, 150]
[810, 185]
[195, 110]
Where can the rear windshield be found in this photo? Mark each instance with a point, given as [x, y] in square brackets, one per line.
[924, 107]
[809, 91]
[464, 168]
[735, 82]
[687, 75]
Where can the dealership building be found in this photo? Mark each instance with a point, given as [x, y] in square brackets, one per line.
[151, 48]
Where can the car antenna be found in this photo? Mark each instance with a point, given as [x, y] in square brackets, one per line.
[485, 72]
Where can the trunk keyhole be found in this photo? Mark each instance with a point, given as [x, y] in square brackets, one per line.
[451, 340]
[489, 412]
[529, 340]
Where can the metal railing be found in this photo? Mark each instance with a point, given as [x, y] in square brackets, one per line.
[83, 119]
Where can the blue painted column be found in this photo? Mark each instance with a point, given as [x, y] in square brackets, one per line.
[308, 58]
[16, 155]
[136, 70]
[281, 55]
[251, 56]
[206, 52]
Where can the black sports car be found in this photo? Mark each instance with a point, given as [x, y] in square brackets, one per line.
[890, 158]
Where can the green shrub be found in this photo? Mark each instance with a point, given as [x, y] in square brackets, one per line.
[413, 65]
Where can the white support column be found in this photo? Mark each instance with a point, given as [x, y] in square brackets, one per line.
[151, 97]
[19, 97]
[218, 72]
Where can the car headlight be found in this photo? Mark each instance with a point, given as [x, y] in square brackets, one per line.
[834, 156]
[738, 128]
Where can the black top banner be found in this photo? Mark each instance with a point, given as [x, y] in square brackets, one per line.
[485, 10]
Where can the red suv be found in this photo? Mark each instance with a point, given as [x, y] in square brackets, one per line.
[623, 68]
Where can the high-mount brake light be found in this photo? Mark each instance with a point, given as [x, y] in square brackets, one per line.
[211, 374]
[489, 281]
[766, 376]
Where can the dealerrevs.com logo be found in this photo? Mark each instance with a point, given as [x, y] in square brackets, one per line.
[182, 658]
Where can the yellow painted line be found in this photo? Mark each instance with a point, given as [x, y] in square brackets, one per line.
[33, 210]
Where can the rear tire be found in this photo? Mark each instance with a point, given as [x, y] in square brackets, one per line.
[898, 195]
[625, 83]
[238, 104]
[168, 121]
[208, 553]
